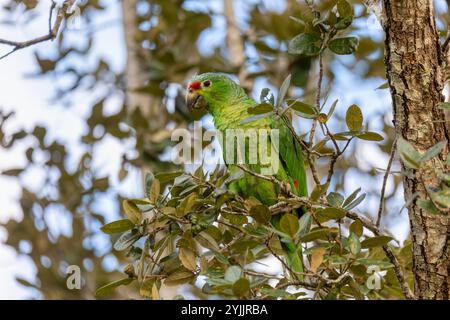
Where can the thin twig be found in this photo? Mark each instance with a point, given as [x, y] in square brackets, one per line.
[399, 273]
[334, 159]
[297, 283]
[385, 179]
[53, 31]
[285, 265]
[319, 92]
[391, 256]
[308, 151]
[283, 186]
[50, 18]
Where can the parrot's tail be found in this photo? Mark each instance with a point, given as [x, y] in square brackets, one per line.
[293, 252]
[294, 259]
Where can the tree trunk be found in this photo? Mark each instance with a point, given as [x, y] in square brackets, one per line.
[414, 63]
[150, 107]
[235, 44]
[134, 74]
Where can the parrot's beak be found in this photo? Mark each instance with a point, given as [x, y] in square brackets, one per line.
[195, 101]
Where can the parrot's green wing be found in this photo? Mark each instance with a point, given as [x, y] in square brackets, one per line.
[291, 157]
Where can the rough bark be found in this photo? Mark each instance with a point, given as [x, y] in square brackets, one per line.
[414, 63]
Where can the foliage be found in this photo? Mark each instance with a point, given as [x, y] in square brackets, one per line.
[189, 228]
[198, 229]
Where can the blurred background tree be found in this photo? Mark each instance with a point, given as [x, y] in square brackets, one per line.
[136, 99]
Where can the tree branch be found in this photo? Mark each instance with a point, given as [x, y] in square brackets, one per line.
[52, 33]
[391, 256]
[383, 188]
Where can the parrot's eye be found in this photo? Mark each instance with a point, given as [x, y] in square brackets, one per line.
[206, 83]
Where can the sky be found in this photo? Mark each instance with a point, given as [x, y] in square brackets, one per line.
[30, 98]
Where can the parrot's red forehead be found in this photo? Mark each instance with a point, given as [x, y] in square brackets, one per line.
[194, 85]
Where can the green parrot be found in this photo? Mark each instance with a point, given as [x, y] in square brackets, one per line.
[228, 104]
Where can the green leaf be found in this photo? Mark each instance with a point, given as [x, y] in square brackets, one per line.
[320, 233]
[207, 241]
[370, 136]
[343, 23]
[354, 118]
[132, 211]
[187, 258]
[154, 191]
[376, 242]
[383, 86]
[126, 240]
[410, 156]
[260, 108]
[318, 191]
[118, 226]
[372, 262]
[337, 260]
[428, 206]
[263, 97]
[444, 105]
[344, 9]
[241, 287]
[275, 293]
[186, 205]
[305, 44]
[332, 108]
[26, 283]
[356, 202]
[147, 287]
[289, 224]
[433, 151]
[444, 177]
[108, 288]
[332, 18]
[283, 90]
[180, 276]
[299, 21]
[12, 172]
[236, 219]
[440, 197]
[233, 274]
[351, 197]
[165, 177]
[260, 213]
[354, 244]
[301, 107]
[256, 117]
[357, 228]
[335, 199]
[317, 257]
[149, 178]
[333, 213]
[304, 224]
[344, 46]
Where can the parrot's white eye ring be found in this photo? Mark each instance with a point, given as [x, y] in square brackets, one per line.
[206, 83]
